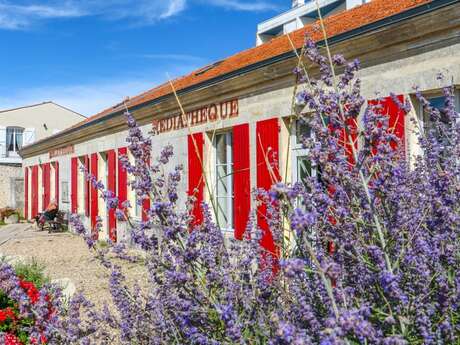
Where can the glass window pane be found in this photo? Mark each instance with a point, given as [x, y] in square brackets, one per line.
[222, 212]
[303, 169]
[303, 131]
[10, 139]
[18, 140]
[222, 180]
[221, 149]
[437, 102]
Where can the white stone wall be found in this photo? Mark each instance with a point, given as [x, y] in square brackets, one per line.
[10, 194]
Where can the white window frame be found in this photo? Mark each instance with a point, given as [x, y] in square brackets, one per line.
[15, 130]
[298, 151]
[422, 115]
[229, 227]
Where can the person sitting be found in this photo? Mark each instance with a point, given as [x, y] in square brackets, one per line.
[49, 214]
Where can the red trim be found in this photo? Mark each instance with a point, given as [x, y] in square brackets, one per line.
[34, 211]
[94, 195]
[267, 136]
[74, 185]
[26, 193]
[195, 174]
[242, 179]
[122, 178]
[46, 177]
[56, 182]
[112, 186]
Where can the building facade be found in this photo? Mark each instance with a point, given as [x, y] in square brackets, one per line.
[303, 12]
[240, 113]
[21, 127]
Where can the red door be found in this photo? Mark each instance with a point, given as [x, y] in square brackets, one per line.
[122, 178]
[112, 187]
[34, 210]
[56, 181]
[46, 179]
[242, 179]
[86, 191]
[267, 136]
[26, 193]
[195, 174]
[94, 194]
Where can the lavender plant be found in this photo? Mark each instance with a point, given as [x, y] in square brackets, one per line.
[369, 246]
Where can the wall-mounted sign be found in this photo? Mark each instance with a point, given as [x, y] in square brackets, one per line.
[62, 151]
[209, 113]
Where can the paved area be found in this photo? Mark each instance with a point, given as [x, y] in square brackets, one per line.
[10, 232]
[66, 258]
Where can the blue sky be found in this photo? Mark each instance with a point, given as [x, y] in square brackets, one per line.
[90, 54]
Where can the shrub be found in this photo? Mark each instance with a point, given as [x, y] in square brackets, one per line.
[368, 250]
[28, 305]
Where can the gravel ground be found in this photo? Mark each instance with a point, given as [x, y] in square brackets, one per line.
[67, 256]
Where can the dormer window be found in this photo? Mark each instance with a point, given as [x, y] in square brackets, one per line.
[14, 140]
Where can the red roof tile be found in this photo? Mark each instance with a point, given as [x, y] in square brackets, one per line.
[336, 24]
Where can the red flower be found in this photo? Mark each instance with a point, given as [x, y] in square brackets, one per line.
[34, 341]
[31, 290]
[6, 314]
[11, 339]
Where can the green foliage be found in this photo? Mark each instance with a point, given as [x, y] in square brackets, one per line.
[32, 271]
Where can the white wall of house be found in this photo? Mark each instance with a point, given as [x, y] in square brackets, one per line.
[21, 127]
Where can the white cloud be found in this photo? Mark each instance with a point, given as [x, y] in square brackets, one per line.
[93, 97]
[30, 12]
[241, 5]
[175, 6]
[13, 16]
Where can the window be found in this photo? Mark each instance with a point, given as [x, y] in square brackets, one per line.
[223, 148]
[14, 140]
[437, 101]
[302, 168]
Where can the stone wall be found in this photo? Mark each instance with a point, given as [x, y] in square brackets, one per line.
[11, 186]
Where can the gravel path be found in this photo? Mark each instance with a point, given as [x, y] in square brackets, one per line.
[66, 256]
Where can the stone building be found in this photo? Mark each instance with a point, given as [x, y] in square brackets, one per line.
[240, 108]
[21, 127]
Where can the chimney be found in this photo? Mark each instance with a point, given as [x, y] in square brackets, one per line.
[297, 3]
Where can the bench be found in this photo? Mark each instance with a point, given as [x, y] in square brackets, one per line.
[58, 224]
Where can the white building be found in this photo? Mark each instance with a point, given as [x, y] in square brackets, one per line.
[20, 127]
[303, 12]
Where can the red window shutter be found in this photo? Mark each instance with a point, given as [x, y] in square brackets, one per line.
[56, 182]
[396, 115]
[26, 193]
[94, 194]
[345, 138]
[112, 186]
[46, 177]
[267, 133]
[145, 206]
[34, 211]
[195, 174]
[74, 187]
[122, 178]
[86, 191]
[241, 179]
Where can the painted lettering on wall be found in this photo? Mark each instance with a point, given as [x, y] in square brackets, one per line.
[62, 151]
[209, 113]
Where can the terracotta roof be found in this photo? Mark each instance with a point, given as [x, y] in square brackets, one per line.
[336, 24]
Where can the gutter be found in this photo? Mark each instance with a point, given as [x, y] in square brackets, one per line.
[397, 18]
